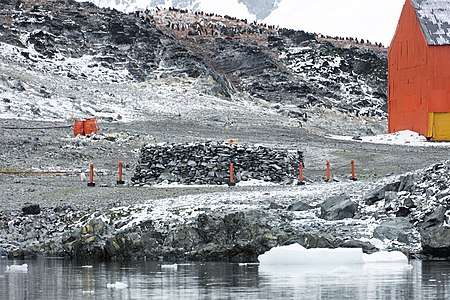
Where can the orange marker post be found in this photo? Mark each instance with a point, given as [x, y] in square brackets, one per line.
[300, 175]
[328, 171]
[353, 171]
[231, 182]
[91, 176]
[120, 181]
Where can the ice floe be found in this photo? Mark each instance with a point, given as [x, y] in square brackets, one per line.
[17, 268]
[296, 254]
[117, 285]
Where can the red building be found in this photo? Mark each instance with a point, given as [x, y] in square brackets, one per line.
[419, 70]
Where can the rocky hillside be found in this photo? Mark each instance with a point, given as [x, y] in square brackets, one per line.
[292, 70]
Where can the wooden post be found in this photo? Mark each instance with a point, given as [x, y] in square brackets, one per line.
[353, 170]
[300, 179]
[91, 176]
[328, 171]
[120, 181]
[231, 182]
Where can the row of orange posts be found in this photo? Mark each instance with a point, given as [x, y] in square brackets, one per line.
[231, 182]
[91, 182]
[327, 172]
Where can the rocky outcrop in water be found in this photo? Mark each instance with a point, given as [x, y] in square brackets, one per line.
[209, 163]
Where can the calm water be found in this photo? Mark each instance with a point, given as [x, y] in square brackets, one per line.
[59, 279]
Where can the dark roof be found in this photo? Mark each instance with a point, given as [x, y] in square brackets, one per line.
[434, 18]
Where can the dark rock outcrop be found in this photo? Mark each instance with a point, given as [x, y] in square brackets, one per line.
[435, 235]
[234, 237]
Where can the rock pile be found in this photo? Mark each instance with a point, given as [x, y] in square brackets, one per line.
[422, 200]
[209, 163]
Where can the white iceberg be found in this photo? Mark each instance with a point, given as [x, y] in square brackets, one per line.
[173, 266]
[17, 268]
[117, 285]
[296, 254]
[385, 257]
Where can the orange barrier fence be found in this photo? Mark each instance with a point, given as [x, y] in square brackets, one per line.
[32, 172]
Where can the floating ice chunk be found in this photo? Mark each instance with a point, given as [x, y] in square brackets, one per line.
[17, 268]
[248, 264]
[173, 266]
[117, 285]
[297, 255]
[385, 257]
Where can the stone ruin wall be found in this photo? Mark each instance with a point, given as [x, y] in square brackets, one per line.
[209, 163]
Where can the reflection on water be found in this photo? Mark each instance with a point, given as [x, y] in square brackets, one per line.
[61, 279]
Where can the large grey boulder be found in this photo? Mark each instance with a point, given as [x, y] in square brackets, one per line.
[380, 193]
[394, 229]
[338, 208]
[435, 236]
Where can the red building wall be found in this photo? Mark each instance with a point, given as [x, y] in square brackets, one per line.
[419, 76]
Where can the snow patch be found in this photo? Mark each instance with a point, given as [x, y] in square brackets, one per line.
[404, 138]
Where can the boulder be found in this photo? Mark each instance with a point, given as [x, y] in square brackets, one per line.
[402, 212]
[435, 236]
[394, 229]
[406, 183]
[299, 206]
[436, 241]
[435, 218]
[316, 240]
[87, 242]
[365, 246]
[338, 208]
[379, 194]
[33, 209]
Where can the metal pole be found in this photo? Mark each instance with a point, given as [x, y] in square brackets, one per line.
[231, 182]
[328, 171]
[120, 181]
[353, 170]
[91, 176]
[300, 182]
